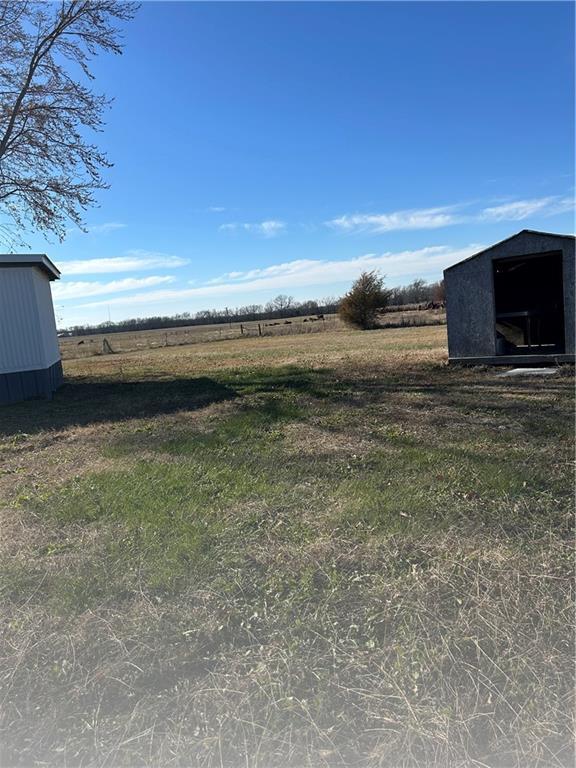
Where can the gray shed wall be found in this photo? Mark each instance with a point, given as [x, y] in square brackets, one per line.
[23, 385]
[470, 294]
[470, 309]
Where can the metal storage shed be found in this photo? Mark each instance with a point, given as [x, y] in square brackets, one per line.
[513, 303]
[29, 355]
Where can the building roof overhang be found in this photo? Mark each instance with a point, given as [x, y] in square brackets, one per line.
[507, 239]
[39, 260]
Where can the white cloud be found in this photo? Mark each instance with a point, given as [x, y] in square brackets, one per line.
[268, 228]
[82, 289]
[425, 218]
[433, 218]
[134, 261]
[286, 270]
[523, 209]
[308, 273]
[108, 226]
[216, 209]
[97, 229]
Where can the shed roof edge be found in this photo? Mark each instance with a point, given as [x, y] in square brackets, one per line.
[39, 260]
[506, 239]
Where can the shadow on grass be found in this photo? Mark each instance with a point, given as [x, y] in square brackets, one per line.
[320, 383]
[80, 403]
[456, 390]
[84, 402]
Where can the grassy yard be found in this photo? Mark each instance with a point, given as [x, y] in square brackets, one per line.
[319, 550]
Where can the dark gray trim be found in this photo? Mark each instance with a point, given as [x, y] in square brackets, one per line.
[515, 360]
[23, 385]
[39, 260]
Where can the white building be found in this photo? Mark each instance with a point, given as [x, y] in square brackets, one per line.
[29, 355]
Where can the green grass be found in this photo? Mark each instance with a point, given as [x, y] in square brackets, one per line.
[332, 562]
[189, 497]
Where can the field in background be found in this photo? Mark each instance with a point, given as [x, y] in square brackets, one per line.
[325, 549]
[109, 343]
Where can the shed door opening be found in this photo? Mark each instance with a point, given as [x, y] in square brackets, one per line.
[529, 301]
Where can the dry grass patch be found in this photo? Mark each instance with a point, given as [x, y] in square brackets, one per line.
[313, 440]
[324, 551]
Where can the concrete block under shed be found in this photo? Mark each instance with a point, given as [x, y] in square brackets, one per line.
[529, 372]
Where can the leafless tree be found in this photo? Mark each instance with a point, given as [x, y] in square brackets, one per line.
[282, 302]
[439, 292]
[49, 173]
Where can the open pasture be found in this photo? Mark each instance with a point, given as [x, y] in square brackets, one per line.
[74, 347]
[324, 549]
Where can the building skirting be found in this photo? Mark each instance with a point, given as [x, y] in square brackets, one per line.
[557, 359]
[23, 385]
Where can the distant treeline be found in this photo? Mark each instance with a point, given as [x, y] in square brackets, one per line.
[417, 292]
[282, 306]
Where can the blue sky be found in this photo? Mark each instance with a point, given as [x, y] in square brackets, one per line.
[265, 148]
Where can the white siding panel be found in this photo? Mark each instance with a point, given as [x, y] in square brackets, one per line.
[21, 341]
[46, 318]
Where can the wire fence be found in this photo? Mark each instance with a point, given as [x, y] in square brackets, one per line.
[75, 347]
[89, 346]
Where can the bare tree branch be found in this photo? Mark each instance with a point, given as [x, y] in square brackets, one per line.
[49, 173]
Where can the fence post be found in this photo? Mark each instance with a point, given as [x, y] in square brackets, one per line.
[259, 330]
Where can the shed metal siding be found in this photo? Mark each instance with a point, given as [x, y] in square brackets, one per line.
[470, 309]
[21, 385]
[21, 343]
[46, 318]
